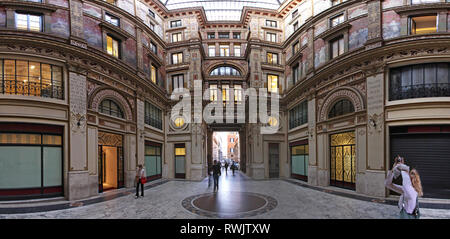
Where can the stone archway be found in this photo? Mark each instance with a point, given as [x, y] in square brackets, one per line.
[109, 93]
[343, 92]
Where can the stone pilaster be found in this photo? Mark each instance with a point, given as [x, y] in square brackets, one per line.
[78, 180]
[312, 160]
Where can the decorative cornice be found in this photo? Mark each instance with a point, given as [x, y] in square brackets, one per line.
[29, 6]
[115, 31]
[421, 8]
[332, 32]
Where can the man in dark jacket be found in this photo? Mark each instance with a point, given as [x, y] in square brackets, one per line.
[216, 174]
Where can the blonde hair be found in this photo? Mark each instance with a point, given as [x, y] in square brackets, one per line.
[415, 180]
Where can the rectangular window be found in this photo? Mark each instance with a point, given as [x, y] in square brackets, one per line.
[336, 2]
[177, 81]
[272, 58]
[337, 47]
[295, 13]
[224, 35]
[211, 50]
[111, 19]
[337, 20]
[423, 24]
[152, 160]
[299, 160]
[213, 92]
[31, 78]
[176, 23]
[153, 48]
[295, 26]
[152, 26]
[237, 50]
[272, 83]
[272, 37]
[151, 13]
[237, 93]
[236, 35]
[112, 46]
[225, 93]
[224, 50]
[211, 35]
[419, 81]
[270, 23]
[298, 115]
[295, 74]
[29, 22]
[111, 1]
[153, 74]
[153, 115]
[177, 58]
[176, 37]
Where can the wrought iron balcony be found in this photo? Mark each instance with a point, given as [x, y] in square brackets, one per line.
[420, 91]
[19, 87]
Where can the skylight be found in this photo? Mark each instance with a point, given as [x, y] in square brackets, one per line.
[222, 10]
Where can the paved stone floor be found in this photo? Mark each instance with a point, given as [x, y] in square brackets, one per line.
[292, 201]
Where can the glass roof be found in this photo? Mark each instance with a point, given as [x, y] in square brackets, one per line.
[222, 10]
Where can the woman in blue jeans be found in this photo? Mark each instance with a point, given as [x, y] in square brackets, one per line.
[410, 190]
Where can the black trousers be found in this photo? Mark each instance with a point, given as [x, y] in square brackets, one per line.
[216, 182]
[137, 188]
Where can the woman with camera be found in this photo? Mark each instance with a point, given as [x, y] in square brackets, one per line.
[410, 189]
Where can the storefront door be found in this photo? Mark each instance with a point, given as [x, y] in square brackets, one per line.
[343, 158]
[110, 161]
[274, 161]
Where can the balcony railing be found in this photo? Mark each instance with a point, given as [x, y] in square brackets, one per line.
[17, 87]
[420, 91]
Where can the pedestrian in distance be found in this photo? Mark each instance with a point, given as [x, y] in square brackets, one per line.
[210, 168]
[233, 167]
[226, 168]
[410, 190]
[216, 175]
[140, 180]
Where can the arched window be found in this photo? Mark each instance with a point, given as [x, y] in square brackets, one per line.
[225, 71]
[111, 108]
[341, 107]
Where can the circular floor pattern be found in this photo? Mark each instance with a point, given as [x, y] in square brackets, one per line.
[229, 204]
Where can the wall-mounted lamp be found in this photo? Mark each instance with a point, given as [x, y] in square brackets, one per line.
[372, 123]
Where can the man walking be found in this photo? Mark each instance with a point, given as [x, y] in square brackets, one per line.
[216, 174]
[226, 168]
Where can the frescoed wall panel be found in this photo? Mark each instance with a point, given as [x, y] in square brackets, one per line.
[128, 27]
[61, 3]
[357, 11]
[391, 3]
[320, 27]
[60, 23]
[319, 52]
[92, 32]
[127, 5]
[2, 17]
[92, 10]
[129, 51]
[358, 33]
[391, 25]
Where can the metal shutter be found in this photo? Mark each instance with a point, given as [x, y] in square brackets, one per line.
[430, 155]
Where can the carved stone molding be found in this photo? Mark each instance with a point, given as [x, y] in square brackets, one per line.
[375, 123]
[109, 93]
[344, 92]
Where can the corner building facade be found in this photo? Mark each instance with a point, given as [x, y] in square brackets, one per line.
[85, 92]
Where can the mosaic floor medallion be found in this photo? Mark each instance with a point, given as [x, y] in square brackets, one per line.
[229, 204]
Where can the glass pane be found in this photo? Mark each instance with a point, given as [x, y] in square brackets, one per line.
[306, 164]
[35, 23]
[57, 82]
[179, 164]
[158, 165]
[442, 73]
[21, 21]
[11, 138]
[430, 74]
[52, 139]
[52, 166]
[20, 167]
[180, 151]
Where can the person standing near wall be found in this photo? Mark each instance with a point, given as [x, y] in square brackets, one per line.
[410, 190]
[140, 180]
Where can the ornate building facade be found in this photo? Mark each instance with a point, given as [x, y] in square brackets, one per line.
[85, 90]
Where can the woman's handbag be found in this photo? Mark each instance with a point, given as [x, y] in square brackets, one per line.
[143, 180]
